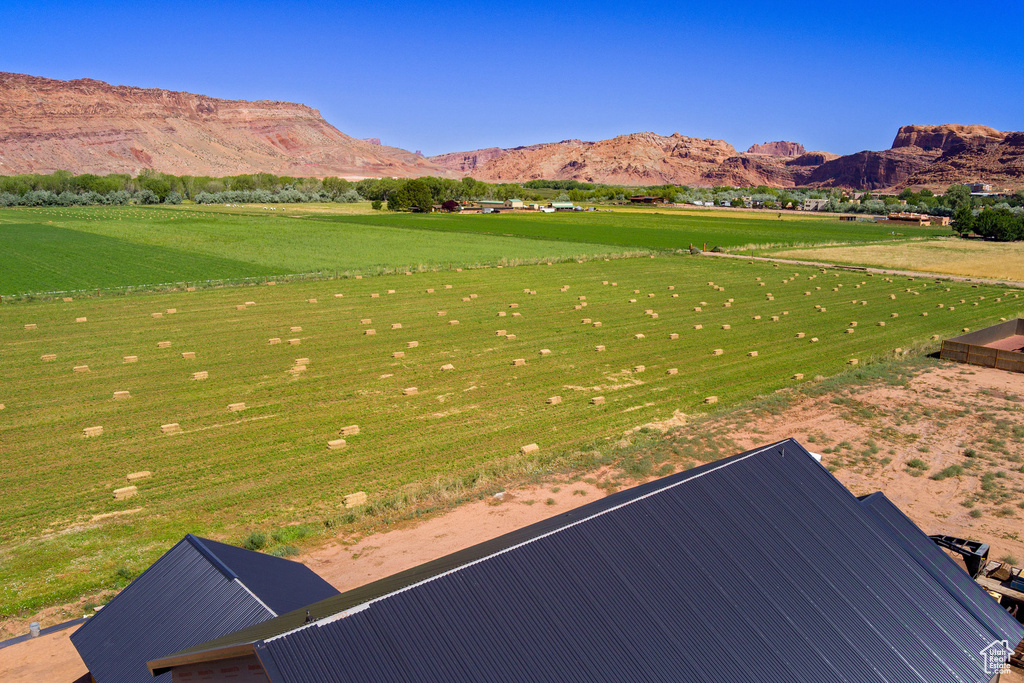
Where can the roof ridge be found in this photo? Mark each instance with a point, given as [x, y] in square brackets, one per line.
[365, 605]
[198, 544]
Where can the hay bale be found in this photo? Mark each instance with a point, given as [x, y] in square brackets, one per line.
[295, 328]
[441, 314]
[966, 329]
[924, 314]
[814, 340]
[297, 369]
[615, 284]
[92, 431]
[513, 305]
[465, 298]
[711, 399]
[131, 359]
[294, 342]
[599, 347]
[240, 307]
[673, 336]
[302, 361]
[47, 357]
[30, 326]
[651, 295]
[411, 344]
[671, 287]
[120, 395]
[125, 492]
[898, 351]
[236, 407]
[335, 444]
[398, 354]
[632, 301]
[430, 291]
[597, 401]
[654, 316]
[849, 330]
[188, 355]
[410, 391]
[375, 295]
[585, 321]
[639, 368]
[726, 327]
[638, 336]
[275, 340]
[157, 315]
[582, 298]
[172, 311]
[350, 430]
[807, 293]
[369, 332]
[698, 327]
[853, 361]
[447, 286]
[577, 308]
[172, 428]
[453, 322]
[529, 448]
[672, 371]
[757, 317]
[81, 368]
[892, 296]
[250, 303]
[597, 323]
[339, 296]
[391, 291]
[202, 374]
[798, 375]
[396, 326]
[81, 320]
[554, 400]
[752, 354]
[636, 291]
[545, 352]
[675, 296]
[135, 476]
[362, 321]
[881, 324]
[951, 308]
[447, 366]
[717, 352]
[359, 277]
[775, 318]
[519, 361]
[312, 301]
[727, 305]
[935, 337]
[163, 345]
[894, 315]
[354, 500]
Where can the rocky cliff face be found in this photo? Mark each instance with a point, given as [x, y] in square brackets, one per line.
[943, 138]
[870, 170]
[996, 160]
[88, 126]
[777, 149]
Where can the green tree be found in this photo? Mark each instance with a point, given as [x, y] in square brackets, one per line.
[963, 221]
[957, 196]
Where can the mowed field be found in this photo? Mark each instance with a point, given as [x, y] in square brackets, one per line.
[953, 256]
[74, 249]
[227, 473]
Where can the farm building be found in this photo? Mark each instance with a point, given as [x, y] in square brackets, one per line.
[814, 204]
[564, 206]
[198, 590]
[647, 199]
[759, 567]
[908, 217]
[1000, 346]
[513, 204]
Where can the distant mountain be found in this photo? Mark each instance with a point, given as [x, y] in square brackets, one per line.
[87, 126]
[780, 148]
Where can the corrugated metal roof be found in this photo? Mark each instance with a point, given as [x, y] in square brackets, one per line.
[197, 590]
[945, 571]
[759, 567]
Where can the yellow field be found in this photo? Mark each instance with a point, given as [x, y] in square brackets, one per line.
[1004, 260]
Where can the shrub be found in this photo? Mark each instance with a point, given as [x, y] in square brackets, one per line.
[951, 471]
[976, 513]
[917, 464]
[255, 541]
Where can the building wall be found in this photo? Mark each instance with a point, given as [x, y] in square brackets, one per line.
[239, 670]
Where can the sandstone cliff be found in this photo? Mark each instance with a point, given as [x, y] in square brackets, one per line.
[944, 137]
[779, 148]
[88, 126]
[995, 160]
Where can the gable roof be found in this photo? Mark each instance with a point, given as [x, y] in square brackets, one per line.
[197, 590]
[758, 567]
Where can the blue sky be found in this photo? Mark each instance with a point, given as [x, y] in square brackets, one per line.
[453, 76]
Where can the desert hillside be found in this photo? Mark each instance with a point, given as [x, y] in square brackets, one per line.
[88, 126]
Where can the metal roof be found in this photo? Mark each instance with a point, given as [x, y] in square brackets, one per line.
[197, 590]
[758, 567]
[943, 569]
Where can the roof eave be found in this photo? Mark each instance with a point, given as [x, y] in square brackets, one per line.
[165, 664]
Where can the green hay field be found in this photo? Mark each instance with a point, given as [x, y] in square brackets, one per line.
[82, 248]
[62, 534]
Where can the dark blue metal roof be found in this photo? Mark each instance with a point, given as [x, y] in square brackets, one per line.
[195, 591]
[759, 567]
[943, 569]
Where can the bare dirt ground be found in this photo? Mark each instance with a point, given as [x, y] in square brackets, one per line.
[897, 433]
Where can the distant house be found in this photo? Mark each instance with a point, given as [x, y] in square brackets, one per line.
[513, 203]
[758, 567]
[647, 199]
[814, 204]
[981, 188]
[564, 206]
[196, 591]
[491, 204]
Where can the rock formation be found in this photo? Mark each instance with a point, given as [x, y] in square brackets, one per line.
[943, 138]
[87, 126]
[779, 148]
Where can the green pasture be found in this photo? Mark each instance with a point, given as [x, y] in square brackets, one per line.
[81, 248]
[62, 533]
